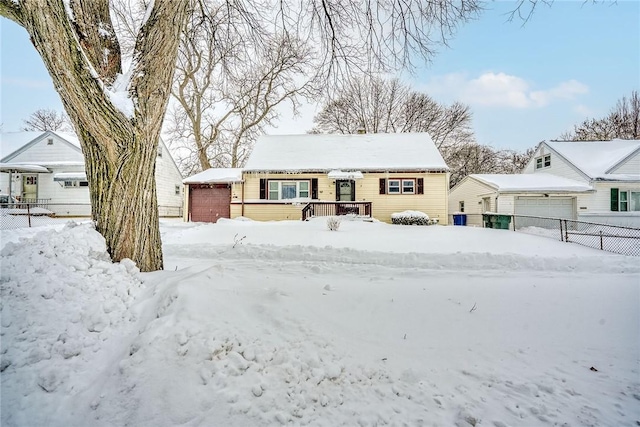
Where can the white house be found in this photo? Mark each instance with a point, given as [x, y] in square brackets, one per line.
[48, 167]
[595, 181]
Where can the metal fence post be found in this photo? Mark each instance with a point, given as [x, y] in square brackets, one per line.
[601, 245]
[561, 234]
[29, 214]
[566, 231]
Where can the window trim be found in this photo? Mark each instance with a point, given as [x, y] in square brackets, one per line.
[74, 183]
[278, 189]
[400, 186]
[543, 162]
[617, 200]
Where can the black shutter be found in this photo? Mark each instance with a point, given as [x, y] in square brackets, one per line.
[263, 188]
[353, 191]
[383, 186]
[337, 191]
[420, 186]
[614, 199]
[314, 188]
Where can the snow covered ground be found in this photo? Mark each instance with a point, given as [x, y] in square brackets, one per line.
[278, 323]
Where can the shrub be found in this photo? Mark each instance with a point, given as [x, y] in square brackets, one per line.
[410, 218]
[333, 223]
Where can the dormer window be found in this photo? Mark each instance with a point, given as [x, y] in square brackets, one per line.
[543, 161]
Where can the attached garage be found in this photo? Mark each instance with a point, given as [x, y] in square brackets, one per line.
[209, 202]
[549, 207]
[208, 194]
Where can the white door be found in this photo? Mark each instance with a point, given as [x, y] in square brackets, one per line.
[548, 207]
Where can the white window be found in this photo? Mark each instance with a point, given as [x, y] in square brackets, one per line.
[461, 206]
[159, 150]
[401, 186]
[394, 186]
[625, 200]
[75, 184]
[283, 190]
[177, 191]
[634, 200]
[543, 161]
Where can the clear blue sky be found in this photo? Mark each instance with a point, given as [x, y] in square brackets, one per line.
[524, 83]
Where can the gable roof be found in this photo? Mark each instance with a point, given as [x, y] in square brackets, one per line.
[539, 182]
[362, 152]
[596, 159]
[13, 143]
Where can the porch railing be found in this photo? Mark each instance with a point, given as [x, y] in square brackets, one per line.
[336, 208]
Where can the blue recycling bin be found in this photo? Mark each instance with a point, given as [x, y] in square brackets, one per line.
[459, 219]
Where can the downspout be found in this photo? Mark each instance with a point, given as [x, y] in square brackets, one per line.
[242, 198]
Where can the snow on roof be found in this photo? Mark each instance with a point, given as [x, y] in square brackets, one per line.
[215, 175]
[595, 158]
[338, 174]
[320, 152]
[11, 142]
[541, 182]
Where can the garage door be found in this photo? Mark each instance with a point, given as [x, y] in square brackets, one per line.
[209, 203]
[550, 207]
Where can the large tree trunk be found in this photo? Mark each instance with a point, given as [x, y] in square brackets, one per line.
[119, 139]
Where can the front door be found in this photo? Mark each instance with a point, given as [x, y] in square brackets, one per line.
[29, 187]
[345, 190]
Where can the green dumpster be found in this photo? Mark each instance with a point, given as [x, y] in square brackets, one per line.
[502, 222]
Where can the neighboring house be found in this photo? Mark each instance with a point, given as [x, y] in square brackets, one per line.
[48, 167]
[368, 174]
[595, 181]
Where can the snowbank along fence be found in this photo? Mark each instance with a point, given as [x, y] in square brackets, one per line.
[606, 237]
[36, 214]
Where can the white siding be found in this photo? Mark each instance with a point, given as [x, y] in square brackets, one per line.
[168, 178]
[598, 205]
[631, 166]
[471, 191]
[558, 166]
[42, 152]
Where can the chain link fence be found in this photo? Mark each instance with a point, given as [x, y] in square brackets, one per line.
[606, 237]
[24, 215]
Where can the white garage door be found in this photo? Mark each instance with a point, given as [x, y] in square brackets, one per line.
[550, 207]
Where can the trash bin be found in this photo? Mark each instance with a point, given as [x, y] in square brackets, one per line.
[487, 220]
[502, 222]
[459, 219]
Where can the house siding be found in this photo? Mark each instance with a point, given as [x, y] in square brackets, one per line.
[433, 202]
[630, 166]
[42, 152]
[471, 192]
[599, 205]
[167, 178]
[558, 166]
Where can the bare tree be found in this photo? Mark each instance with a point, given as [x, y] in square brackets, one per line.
[378, 105]
[231, 75]
[623, 122]
[117, 110]
[45, 119]
[118, 116]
